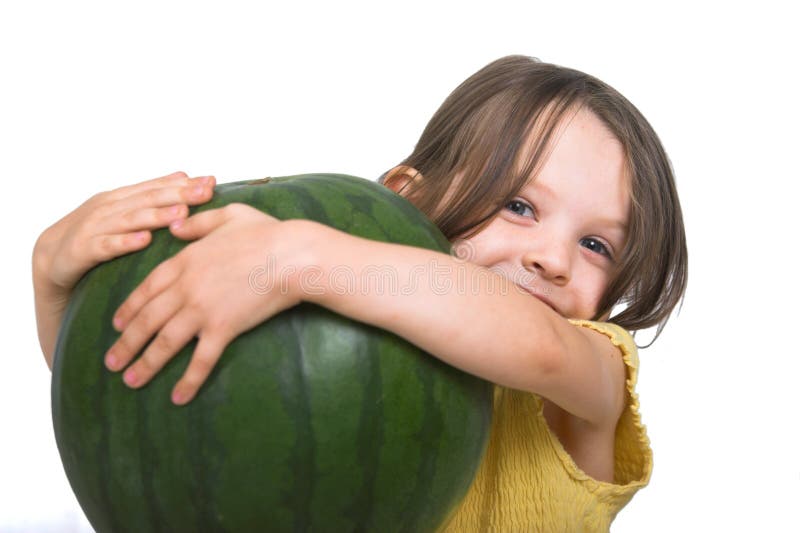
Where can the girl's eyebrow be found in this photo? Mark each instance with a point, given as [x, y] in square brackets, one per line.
[616, 225]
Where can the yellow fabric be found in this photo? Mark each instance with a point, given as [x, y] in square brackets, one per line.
[528, 482]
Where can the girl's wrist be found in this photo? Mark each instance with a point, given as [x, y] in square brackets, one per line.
[324, 248]
[291, 265]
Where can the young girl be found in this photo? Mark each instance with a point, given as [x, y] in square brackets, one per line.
[544, 178]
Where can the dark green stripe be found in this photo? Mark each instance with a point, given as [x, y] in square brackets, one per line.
[148, 451]
[295, 400]
[104, 380]
[370, 435]
[429, 434]
[203, 459]
[304, 204]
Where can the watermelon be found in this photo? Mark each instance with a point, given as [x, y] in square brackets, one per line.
[310, 422]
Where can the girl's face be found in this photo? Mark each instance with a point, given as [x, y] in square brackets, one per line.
[559, 238]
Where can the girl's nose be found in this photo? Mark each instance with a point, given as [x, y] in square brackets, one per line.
[550, 262]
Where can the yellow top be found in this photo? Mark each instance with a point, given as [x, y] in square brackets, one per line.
[528, 482]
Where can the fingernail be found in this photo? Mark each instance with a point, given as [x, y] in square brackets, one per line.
[208, 179]
[198, 189]
[130, 377]
[111, 360]
[175, 209]
[176, 224]
[118, 323]
[177, 398]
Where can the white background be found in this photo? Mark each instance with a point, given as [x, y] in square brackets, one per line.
[94, 96]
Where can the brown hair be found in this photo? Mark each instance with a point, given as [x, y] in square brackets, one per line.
[468, 154]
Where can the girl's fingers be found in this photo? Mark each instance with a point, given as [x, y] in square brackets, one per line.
[146, 218]
[195, 192]
[208, 351]
[151, 209]
[153, 285]
[110, 224]
[141, 329]
[199, 225]
[180, 329]
[106, 247]
[128, 190]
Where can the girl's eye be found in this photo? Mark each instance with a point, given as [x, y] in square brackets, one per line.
[597, 246]
[516, 206]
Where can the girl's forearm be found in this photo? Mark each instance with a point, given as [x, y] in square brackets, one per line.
[49, 304]
[49, 312]
[468, 316]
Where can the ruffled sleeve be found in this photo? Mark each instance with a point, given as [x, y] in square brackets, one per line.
[633, 456]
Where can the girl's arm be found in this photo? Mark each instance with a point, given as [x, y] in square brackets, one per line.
[218, 287]
[471, 318]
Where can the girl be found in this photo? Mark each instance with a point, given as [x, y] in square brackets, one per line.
[541, 176]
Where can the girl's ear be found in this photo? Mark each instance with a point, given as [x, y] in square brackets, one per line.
[400, 177]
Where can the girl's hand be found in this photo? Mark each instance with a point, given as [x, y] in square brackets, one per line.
[107, 225]
[110, 224]
[208, 290]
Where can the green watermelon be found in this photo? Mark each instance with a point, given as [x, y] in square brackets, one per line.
[310, 421]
